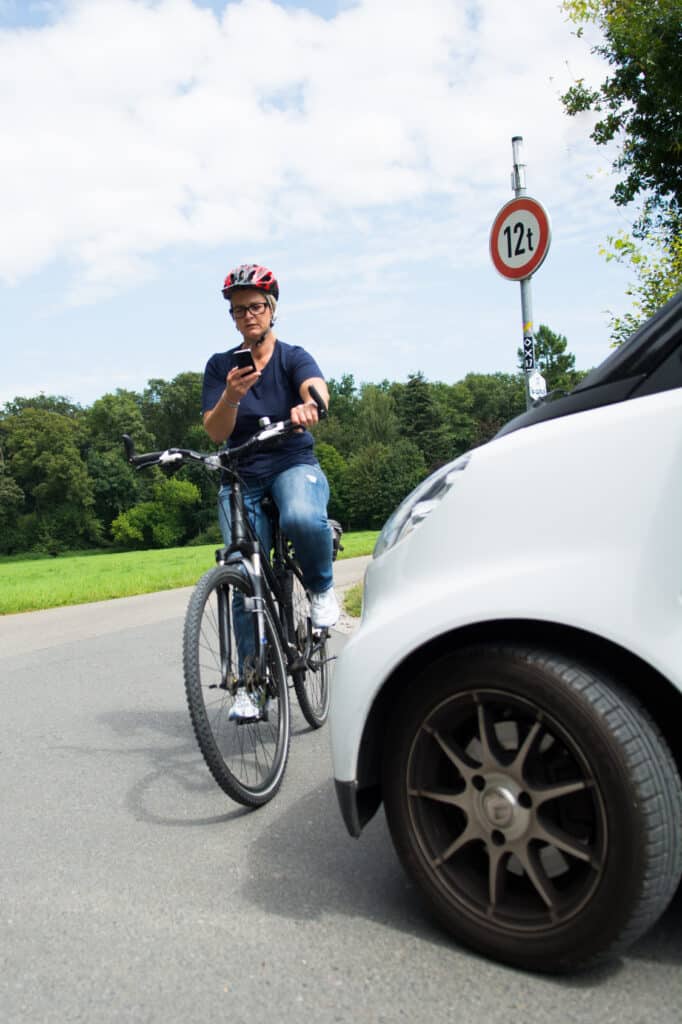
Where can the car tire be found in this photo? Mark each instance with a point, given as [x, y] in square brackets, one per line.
[535, 805]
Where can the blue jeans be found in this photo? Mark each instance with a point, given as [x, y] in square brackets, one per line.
[301, 494]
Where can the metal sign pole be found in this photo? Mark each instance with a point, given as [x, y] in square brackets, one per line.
[535, 385]
[519, 242]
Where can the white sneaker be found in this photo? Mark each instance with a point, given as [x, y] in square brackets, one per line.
[324, 609]
[245, 708]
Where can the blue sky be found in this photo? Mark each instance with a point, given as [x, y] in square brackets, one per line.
[360, 149]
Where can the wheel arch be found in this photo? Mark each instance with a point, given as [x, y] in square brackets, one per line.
[653, 690]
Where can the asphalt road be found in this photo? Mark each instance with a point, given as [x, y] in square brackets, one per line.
[132, 889]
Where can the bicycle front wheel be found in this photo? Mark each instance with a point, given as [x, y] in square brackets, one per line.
[312, 682]
[246, 758]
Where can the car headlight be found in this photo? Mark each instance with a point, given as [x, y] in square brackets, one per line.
[419, 504]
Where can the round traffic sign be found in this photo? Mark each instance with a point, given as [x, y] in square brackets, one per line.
[520, 237]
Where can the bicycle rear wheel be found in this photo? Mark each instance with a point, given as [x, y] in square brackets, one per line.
[246, 759]
[312, 683]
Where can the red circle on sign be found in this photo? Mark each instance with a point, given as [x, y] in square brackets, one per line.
[538, 211]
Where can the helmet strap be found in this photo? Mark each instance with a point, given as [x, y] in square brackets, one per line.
[259, 341]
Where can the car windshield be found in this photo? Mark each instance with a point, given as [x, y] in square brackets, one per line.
[643, 351]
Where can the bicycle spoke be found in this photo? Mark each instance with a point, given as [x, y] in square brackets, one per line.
[246, 758]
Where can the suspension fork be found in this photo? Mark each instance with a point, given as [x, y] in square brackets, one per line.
[258, 610]
[245, 541]
[225, 634]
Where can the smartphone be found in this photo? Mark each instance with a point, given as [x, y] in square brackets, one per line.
[243, 358]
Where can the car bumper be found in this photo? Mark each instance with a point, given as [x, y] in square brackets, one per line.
[346, 794]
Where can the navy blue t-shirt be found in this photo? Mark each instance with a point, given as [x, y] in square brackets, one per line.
[274, 395]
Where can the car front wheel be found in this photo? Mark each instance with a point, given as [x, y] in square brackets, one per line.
[535, 805]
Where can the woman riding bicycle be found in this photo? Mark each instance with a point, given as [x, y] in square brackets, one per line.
[233, 401]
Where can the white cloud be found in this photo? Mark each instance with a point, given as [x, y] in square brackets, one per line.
[128, 127]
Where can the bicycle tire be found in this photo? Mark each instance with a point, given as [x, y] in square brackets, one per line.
[312, 683]
[246, 759]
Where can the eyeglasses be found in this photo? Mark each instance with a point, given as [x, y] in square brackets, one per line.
[239, 312]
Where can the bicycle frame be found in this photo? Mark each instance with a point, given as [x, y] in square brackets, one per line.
[246, 544]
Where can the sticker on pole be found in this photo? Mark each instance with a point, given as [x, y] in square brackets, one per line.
[520, 237]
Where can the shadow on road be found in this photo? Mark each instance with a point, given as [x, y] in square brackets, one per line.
[180, 765]
[302, 864]
[305, 866]
[663, 944]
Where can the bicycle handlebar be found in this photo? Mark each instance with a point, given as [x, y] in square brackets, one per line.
[225, 458]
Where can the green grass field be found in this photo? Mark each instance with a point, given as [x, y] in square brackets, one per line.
[352, 601]
[31, 583]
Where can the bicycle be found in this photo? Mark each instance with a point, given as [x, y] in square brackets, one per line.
[248, 758]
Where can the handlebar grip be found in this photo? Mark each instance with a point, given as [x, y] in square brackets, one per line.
[319, 402]
[147, 459]
[129, 445]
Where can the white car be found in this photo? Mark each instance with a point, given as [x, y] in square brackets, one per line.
[513, 693]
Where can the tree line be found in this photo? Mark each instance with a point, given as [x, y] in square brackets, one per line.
[65, 483]
[638, 107]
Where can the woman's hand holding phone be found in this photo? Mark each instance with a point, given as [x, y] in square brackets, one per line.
[241, 377]
[243, 358]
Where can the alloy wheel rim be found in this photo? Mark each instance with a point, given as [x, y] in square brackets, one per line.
[508, 817]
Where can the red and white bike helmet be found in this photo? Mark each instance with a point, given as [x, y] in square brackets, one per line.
[251, 275]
